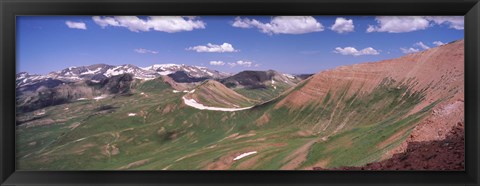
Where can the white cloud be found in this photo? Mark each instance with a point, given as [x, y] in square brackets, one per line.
[455, 22]
[242, 23]
[145, 51]
[175, 24]
[105, 21]
[438, 43]
[217, 63]
[399, 24]
[421, 45]
[76, 25]
[282, 25]
[409, 50]
[225, 47]
[133, 23]
[241, 63]
[354, 52]
[371, 28]
[169, 24]
[413, 50]
[343, 25]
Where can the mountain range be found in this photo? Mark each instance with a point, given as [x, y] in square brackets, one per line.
[100, 72]
[38, 91]
[376, 116]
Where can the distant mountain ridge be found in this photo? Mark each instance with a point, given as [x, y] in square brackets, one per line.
[98, 72]
[257, 79]
[63, 86]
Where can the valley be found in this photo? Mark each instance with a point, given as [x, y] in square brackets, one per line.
[179, 117]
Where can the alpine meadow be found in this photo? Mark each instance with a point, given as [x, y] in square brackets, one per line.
[240, 93]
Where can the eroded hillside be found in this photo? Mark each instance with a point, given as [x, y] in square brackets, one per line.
[344, 117]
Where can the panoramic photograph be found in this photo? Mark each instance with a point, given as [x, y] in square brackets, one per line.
[319, 93]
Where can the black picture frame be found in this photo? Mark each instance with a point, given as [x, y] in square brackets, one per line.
[11, 8]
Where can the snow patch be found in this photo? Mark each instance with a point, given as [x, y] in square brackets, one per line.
[113, 72]
[164, 73]
[161, 66]
[91, 72]
[289, 76]
[73, 77]
[244, 155]
[195, 104]
[99, 97]
[176, 91]
[144, 78]
[80, 99]
[132, 114]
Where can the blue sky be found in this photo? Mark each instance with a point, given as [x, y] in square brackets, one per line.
[288, 44]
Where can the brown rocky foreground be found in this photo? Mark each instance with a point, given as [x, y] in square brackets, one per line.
[446, 154]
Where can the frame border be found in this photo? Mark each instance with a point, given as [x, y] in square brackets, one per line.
[9, 9]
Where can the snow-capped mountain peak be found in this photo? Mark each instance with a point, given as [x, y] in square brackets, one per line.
[98, 72]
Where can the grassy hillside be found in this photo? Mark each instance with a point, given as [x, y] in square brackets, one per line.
[214, 94]
[165, 134]
[349, 116]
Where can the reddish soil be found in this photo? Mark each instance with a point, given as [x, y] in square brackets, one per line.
[441, 67]
[436, 126]
[265, 118]
[297, 157]
[134, 164]
[438, 71]
[218, 94]
[446, 154]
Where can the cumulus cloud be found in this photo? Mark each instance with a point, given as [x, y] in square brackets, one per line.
[413, 50]
[105, 21]
[282, 25]
[241, 63]
[409, 50]
[145, 51]
[354, 52]
[438, 43]
[421, 45]
[343, 25]
[169, 24]
[217, 63]
[400, 24]
[242, 23]
[455, 22]
[76, 25]
[225, 47]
